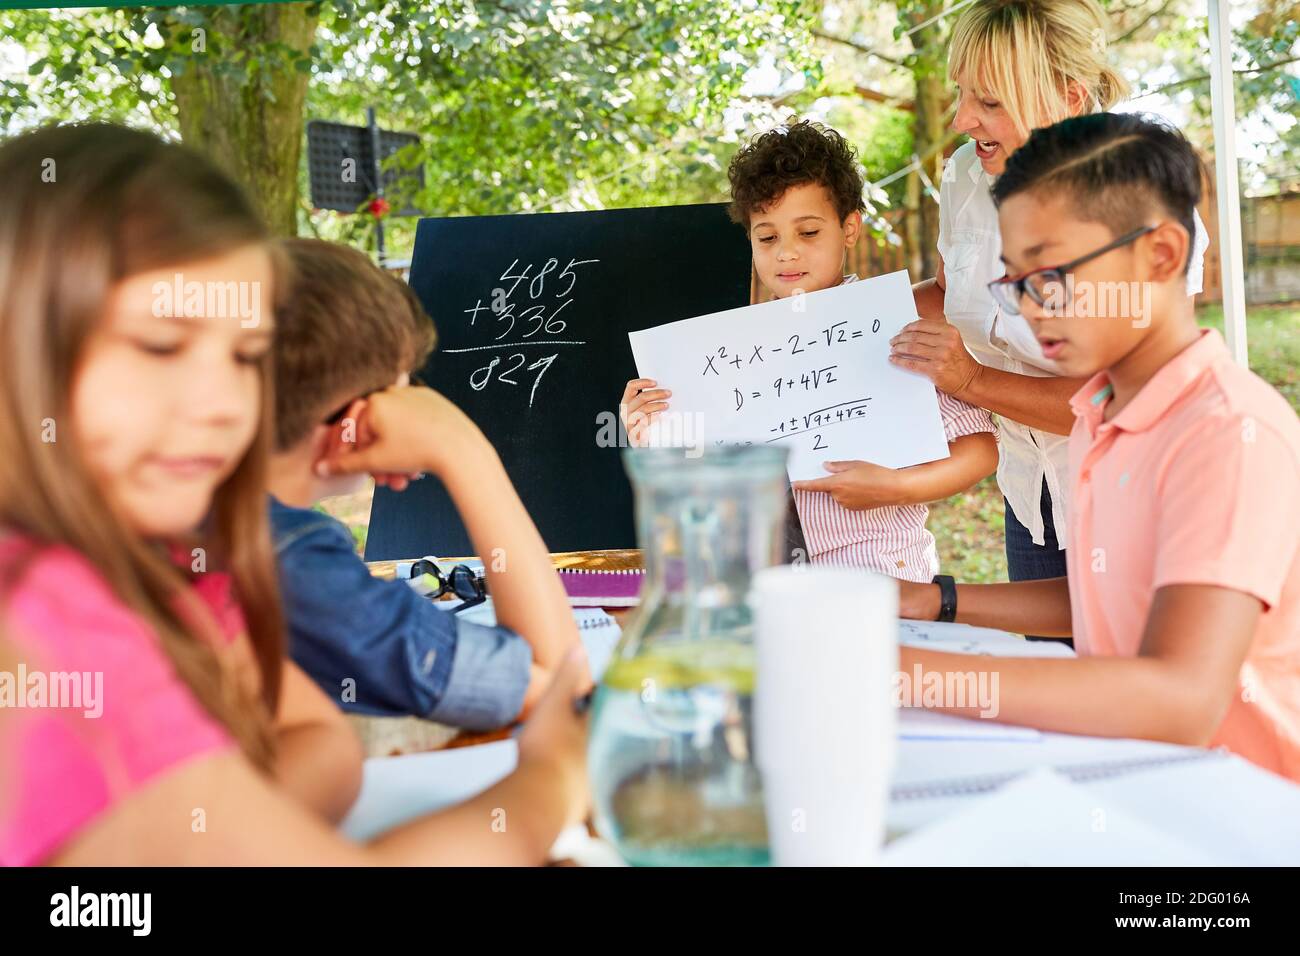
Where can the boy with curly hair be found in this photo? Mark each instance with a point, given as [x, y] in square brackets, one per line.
[797, 192]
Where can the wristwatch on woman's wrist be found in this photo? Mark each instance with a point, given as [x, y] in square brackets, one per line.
[947, 597]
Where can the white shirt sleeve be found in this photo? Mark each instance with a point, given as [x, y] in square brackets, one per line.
[946, 184]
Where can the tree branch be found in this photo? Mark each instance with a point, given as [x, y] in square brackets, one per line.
[862, 92]
[1205, 76]
[860, 47]
[877, 97]
[1127, 34]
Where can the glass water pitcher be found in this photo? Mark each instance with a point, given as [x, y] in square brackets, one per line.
[671, 749]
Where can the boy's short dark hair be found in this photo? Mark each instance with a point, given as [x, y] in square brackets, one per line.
[791, 155]
[347, 328]
[1118, 169]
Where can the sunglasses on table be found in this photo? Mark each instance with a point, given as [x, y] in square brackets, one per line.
[1039, 283]
[460, 581]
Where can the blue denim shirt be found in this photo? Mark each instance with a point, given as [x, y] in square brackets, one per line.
[406, 656]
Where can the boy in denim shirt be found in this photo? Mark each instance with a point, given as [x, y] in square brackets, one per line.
[345, 340]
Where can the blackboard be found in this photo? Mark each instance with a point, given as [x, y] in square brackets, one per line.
[533, 313]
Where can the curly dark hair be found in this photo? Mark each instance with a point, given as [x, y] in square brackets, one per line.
[799, 152]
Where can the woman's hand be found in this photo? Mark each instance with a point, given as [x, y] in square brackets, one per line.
[857, 485]
[640, 405]
[935, 348]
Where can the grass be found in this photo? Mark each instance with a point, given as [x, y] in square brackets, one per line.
[968, 528]
[1273, 343]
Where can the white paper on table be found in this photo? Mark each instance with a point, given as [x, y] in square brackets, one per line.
[599, 631]
[839, 397]
[1043, 820]
[915, 723]
[1236, 810]
[918, 724]
[954, 638]
[395, 790]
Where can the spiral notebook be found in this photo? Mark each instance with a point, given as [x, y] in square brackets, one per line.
[599, 631]
[1085, 772]
[1130, 809]
[602, 588]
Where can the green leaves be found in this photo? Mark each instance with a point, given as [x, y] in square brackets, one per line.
[519, 104]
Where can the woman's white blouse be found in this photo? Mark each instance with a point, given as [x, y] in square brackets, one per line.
[971, 249]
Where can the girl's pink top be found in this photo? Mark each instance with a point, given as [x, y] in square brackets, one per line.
[125, 716]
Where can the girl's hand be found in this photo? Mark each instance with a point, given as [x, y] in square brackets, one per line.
[857, 485]
[555, 736]
[935, 348]
[639, 406]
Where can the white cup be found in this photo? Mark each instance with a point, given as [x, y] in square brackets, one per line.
[824, 720]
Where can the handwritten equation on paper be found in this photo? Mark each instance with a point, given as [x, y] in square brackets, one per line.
[520, 324]
[811, 372]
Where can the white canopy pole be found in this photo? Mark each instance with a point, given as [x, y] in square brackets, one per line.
[1225, 174]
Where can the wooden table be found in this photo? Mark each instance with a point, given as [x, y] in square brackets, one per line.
[390, 736]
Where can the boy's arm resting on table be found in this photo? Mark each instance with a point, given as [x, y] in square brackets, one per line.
[417, 429]
[1177, 689]
[526, 592]
[401, 654]
[1023, 607]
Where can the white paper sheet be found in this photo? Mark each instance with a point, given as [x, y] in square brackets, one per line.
[965, 639]
[1043, 820]
[599, 632]
[395, 790]
[1232, 808]
[810, 372]
[915, 723]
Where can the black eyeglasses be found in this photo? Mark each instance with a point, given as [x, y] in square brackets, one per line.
[460, 581]
[1039, 284]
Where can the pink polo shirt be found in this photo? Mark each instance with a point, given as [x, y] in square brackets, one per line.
[64, 767]
[1196, 481]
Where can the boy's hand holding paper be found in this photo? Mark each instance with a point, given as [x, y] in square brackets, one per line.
[810, 371]
[856, 485]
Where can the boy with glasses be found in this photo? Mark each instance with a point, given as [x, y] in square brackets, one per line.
[1183, 587]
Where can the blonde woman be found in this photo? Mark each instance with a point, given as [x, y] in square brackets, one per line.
[1018, 65]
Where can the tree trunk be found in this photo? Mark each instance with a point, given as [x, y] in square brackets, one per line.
[930, 133]
[250, 120]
